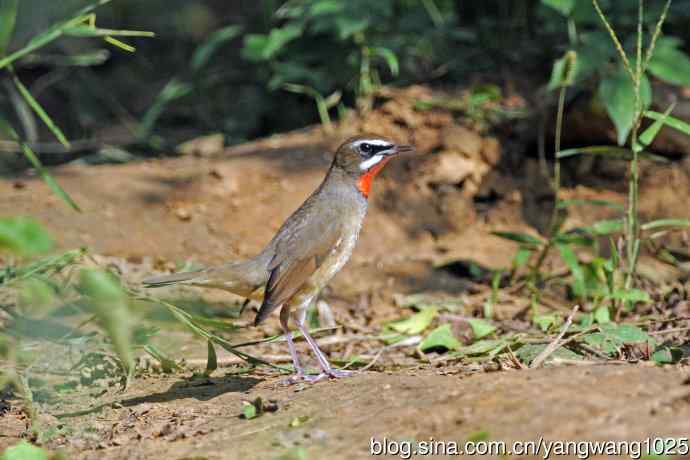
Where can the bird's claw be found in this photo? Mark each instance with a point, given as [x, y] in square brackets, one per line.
[330, 373]
[339, 373]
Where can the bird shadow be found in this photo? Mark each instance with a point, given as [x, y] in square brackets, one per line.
[199, 388]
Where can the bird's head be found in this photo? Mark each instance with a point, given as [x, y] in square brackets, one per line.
[362, 157]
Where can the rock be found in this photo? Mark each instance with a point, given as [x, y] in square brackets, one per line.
[204, 146]
[491, 151]
[462, 140]
[451, 168]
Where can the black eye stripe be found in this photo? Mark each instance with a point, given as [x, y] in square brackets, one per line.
[372, 149]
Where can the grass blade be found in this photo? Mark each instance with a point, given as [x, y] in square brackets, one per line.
[52, 33]
[8, 15]
[212, 359]
[585, 202]
[609, 151]
[36, 163]
[647, 137]
[42, 114]
[673, 122]
[665, 223]
[521, 238]
[570, 259]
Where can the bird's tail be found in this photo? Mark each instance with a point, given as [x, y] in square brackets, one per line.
[175, 278]
[241, 278]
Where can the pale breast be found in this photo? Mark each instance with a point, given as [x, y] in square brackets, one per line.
[341, 252]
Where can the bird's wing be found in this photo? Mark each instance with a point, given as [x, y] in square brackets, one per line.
[298, 255]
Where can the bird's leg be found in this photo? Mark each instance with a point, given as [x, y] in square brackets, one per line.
[299, 370]
[320, 357]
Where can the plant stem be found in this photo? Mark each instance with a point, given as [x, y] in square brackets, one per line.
[633, 227]
[555, 221]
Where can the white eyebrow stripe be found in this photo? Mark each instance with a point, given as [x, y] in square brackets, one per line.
[377, 142]
[371, 162]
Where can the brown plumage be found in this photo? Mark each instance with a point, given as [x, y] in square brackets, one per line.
[309, 248]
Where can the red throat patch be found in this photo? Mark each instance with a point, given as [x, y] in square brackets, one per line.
[364, 181]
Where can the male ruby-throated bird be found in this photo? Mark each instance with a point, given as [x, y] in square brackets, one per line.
[311, 246]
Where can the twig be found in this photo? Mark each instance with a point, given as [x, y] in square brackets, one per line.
[670, 331]
[556, 343]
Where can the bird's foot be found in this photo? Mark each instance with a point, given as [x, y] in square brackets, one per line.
[298, 378]
[338, 373]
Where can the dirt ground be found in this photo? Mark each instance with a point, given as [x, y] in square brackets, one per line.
[225, 206]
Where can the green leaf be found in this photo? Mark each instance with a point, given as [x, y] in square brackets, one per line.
[669, 63]
[527, 353]
[390, 58]
[630, 295]
[416, 323]
[299, 421]
[259, 47]
[24, 451]
[570, 259]
[521, 257]
[204, 52]
[35, 162]
[174, 89]
[441, 337]
[348, 26]
[660, 223]
[667, 355]
[618, 95]
[42, 114]
[480, 328]
[36, 296]
[23, 236]
[602, 315]
[673, 122]
[544, 322]
[480, 347]
[8, 15]
[630, 334]
[212, 359]
[602, 342]
[613, 336]
[521, 238]
[565, 7]
[110, 305]
[563, 72]
[605, 227]
[249, 411]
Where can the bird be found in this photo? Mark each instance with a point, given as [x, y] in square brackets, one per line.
[310, 247]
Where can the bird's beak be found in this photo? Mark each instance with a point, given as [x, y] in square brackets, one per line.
[398, 149]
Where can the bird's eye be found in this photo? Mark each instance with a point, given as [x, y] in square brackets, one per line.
[366, 148]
